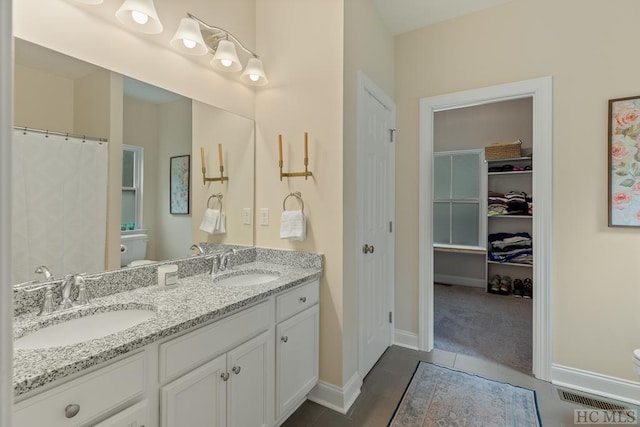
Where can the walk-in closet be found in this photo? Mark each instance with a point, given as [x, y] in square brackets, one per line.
[483, 205]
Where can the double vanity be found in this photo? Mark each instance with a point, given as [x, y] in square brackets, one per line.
[240, 348]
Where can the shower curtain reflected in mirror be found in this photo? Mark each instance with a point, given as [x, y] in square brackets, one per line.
[59, 204]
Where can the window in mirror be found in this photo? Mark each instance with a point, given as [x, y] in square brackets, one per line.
[459, 186]
[132, 161]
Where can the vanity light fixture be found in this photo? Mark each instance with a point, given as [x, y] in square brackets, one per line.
[188, 38]
[222, 44]
[140, 16]
[193, 37]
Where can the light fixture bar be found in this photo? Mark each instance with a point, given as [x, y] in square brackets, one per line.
[224, 33]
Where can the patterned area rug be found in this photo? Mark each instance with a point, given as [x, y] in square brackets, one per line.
[438, 396]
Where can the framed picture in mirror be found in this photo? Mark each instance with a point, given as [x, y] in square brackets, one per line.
[179, 168]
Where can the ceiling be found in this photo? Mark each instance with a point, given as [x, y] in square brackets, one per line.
[408, 15]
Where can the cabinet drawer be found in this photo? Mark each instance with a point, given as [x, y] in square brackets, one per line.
[298, 299]
[134, 416]
[95, 394]
[191, 350]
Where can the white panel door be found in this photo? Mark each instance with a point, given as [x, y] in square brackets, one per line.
[376, 187]
[251, 366]
[197, 399]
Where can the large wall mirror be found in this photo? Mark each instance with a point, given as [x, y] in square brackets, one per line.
[79, 201]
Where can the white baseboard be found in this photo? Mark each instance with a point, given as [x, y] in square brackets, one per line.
[598, 384]
[405, 339]
[336, 398]
[459, 280]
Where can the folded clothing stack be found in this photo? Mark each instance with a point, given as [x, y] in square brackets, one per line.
[511, 247]
[511, 203]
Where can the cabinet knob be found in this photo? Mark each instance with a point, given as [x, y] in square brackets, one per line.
[284, 338]
[71, 410]
[224, 376]
[303, 299]
[236, 370]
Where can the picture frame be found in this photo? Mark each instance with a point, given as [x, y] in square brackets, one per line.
[179, 184]
[624, 162]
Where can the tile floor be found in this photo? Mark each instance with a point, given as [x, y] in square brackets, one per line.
[384, 385]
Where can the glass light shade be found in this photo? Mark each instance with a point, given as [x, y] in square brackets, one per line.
[140, 16]
[226, 58]
[188, 38]
[254, 73]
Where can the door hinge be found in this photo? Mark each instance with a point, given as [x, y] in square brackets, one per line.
[390, 317]
[392, 135]
[390, 226]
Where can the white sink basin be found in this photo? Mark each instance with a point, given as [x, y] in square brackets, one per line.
[83, 329]
[248, 278]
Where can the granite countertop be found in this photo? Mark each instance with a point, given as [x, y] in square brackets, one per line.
[193, 301]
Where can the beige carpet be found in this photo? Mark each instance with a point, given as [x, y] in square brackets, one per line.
[473, 322]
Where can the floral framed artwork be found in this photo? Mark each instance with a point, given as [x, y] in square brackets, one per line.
[179, 181]
[624, 162]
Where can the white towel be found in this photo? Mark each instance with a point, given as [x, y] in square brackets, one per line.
[221, 227]
[293, 225]
[210, 220]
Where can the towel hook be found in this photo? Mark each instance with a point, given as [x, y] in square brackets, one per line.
[215, 196]
[297, 195]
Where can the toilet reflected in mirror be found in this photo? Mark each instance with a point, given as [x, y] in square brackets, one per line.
[133, 248]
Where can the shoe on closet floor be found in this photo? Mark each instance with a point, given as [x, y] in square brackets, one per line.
[494, 284]
[518, 288]
[527, 291]
[505, 285]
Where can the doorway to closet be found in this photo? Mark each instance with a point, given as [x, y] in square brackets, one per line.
[465, 122]
[482, 212]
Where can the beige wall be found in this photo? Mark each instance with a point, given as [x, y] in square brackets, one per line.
[368, 47]
[42, 100]
[305, 95]
[475, 127]
[141, 128]
[90, 33]
[595, 289]
[174, 139]
[213, 126]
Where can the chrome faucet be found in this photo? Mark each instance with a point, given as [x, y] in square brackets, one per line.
[221, 261]
[66, 303]
[45, 272]
[79, 280]
[65, 290]
[198, 247]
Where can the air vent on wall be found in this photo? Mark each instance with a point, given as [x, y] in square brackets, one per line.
[588, 401]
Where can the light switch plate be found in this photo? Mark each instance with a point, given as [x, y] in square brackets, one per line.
[264, 216]
[246, 216]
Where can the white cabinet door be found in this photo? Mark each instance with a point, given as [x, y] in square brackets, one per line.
[250, 385]
[197, 399]
[297, 358]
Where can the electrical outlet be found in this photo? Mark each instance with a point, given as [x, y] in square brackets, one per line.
[264, 216]
[246, 216]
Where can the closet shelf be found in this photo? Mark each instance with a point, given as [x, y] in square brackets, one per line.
[510, 216]
[513, 159]
[460, 249]
[515, 264]
[510, 173]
